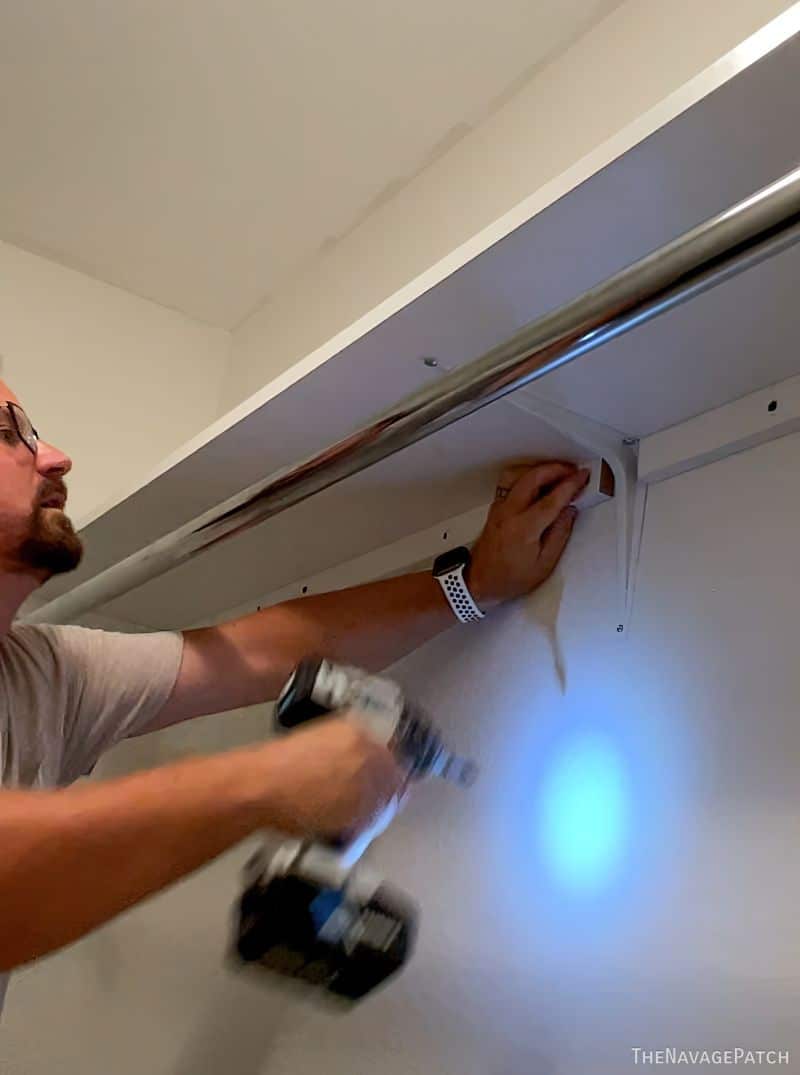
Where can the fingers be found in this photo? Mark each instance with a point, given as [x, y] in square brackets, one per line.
[556, 538]
[525, 483]
[546, 511]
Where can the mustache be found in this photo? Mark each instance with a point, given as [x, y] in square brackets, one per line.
[50, 489]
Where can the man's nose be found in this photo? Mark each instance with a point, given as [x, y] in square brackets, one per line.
[50, 461]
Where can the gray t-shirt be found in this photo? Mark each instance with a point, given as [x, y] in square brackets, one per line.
[67, 694]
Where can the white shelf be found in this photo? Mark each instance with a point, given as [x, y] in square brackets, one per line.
[733, 341]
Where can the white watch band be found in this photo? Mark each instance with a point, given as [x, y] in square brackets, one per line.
[457, 593]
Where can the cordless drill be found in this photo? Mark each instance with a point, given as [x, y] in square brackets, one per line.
[313, 911]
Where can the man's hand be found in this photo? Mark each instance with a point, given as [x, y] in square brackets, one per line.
[526, 532]
[331, 778]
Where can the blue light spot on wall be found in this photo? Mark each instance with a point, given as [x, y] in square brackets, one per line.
[584, 813]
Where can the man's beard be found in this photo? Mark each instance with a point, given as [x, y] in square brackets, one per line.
[51, 547]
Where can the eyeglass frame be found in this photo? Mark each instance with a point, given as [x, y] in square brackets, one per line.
[31, 441]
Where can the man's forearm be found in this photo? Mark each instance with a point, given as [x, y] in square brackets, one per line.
[73, 859]
[370, 625]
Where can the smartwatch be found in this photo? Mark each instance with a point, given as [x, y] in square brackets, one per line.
[448, 570]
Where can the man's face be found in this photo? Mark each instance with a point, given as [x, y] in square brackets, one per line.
[36, 537]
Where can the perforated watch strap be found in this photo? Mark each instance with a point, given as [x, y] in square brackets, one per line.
[457, 593]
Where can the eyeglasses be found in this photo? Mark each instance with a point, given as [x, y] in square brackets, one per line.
[21, 425]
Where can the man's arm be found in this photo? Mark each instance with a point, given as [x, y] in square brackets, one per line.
[247, 660]
[103, 846]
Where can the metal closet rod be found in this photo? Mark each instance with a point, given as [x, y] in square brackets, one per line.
[749, 232]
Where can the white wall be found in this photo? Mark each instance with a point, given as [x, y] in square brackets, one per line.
[631, 61]
[116, 381]
[688, 937]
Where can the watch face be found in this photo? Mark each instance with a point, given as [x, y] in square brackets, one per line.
[450, 560]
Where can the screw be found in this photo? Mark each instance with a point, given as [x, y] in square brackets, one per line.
[431, 363]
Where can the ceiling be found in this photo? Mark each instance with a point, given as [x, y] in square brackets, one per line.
[198, 153]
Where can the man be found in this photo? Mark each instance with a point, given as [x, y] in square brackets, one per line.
[75, 856]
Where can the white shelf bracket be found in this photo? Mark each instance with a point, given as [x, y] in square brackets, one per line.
[621, 454]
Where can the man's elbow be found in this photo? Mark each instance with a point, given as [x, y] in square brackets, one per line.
[18, 947]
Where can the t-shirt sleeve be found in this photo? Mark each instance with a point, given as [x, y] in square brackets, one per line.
[117, 686]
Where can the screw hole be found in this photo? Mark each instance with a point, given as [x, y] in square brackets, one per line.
[772, 406]
[304, 590]
[620, 628]
[444, 536]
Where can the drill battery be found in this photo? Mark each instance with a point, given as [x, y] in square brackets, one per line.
[343, 940]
